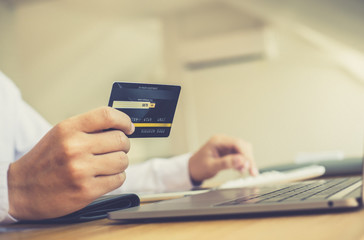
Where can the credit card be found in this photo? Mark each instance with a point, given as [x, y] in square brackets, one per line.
[151, 107]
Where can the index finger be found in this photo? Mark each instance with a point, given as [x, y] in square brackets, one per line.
[246, 149]
[103, 118]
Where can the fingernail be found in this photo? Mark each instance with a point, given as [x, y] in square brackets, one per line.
[132, 128]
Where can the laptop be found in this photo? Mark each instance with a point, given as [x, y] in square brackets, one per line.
[321, 195]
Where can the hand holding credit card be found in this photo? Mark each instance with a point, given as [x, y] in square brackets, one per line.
[151, 107]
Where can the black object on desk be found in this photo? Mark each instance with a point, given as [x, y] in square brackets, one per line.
[345, 167]
[98, 209]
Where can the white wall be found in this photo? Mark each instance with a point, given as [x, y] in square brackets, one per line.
[300, 101]
[7, 49]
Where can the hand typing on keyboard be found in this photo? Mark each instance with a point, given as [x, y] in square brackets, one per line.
[274, 177]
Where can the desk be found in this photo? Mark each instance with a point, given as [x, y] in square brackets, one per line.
[349, 225]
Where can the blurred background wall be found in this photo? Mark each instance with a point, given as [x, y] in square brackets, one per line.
[287, 76]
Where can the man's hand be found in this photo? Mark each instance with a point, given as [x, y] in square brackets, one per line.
[221, 152]
[73, 164]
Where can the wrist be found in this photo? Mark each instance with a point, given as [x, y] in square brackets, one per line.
[193, 172]
[16, 201]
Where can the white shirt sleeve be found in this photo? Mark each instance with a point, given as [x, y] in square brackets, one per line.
[31, 127]
[21, 127]
[158, 175]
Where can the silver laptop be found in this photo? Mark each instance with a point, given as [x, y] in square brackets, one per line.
[336, 194]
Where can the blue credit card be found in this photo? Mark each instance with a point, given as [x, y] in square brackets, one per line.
[151, 107]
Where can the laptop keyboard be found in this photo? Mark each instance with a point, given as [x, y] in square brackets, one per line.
[311, 190]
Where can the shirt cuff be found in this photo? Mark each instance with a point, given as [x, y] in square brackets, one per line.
[181, 162]
[171, 174]
[8, 219]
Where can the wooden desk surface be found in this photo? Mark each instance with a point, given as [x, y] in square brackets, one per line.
[348, 225]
